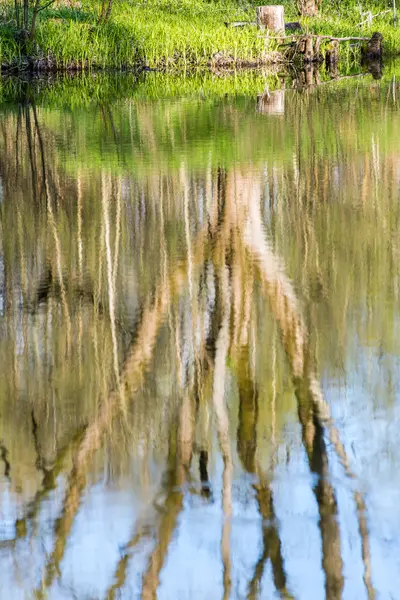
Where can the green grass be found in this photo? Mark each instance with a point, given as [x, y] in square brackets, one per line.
[170, 34]
[343, 20]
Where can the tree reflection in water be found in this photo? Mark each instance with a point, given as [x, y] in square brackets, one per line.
[140, 312]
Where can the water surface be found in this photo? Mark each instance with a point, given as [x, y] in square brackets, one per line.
[200, 341]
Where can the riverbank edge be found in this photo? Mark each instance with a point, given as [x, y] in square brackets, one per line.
[35, 65]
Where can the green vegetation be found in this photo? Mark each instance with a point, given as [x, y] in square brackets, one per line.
[344, 19]
[167, 34]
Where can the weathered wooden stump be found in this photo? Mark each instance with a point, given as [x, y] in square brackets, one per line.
[374, 46]
[271, 18]
[308, 49]
[372, 55]
[317, 47]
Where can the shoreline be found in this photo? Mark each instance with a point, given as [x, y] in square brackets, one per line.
[34, 66]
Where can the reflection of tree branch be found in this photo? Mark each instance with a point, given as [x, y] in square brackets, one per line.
[48, 484]
[365, 551]
[122, 567]
[36, 444]
[185, 438]
[222, 345]
[131, 377]
[50, 475]
[314, 412]
[247, 448]
[53, 226]
[179, 459]
[174, 480]
[4, 458]
[272, 548]
[105, 195]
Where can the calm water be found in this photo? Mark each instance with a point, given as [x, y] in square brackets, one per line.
[200, 341]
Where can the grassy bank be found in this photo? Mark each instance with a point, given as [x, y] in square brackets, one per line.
[168, 34]
[161, 33]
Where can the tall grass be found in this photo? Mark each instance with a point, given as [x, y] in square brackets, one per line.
[157, 34]
[173, 35]
[345, 19]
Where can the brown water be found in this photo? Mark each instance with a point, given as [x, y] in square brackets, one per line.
[200, 342]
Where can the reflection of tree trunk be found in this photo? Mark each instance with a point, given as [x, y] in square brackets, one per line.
[222, 345]
[4, 458]
[314, 443]
[180, 453]
[248, 415]
[131, 377]
[53, 226]
[186, 431]
[80, 269]
[314, 411]
[111, 268]
[32, 160]
[366, 556]
[177, 472]
[311, 405]
[247, 448]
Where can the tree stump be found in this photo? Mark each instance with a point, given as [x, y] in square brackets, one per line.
[317, 46]
[374, 46]
[271, 18]
[308, 49]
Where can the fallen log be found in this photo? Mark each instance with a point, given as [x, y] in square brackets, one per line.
[291, 26]
[315, 36]
[239, 23]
